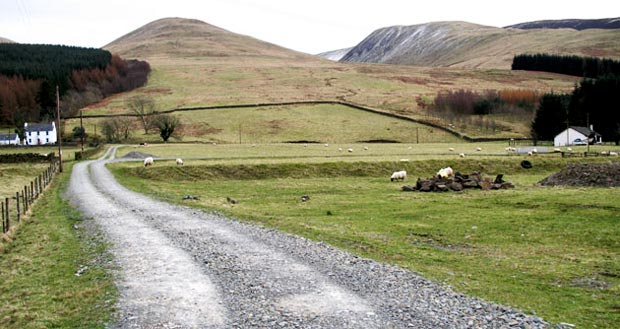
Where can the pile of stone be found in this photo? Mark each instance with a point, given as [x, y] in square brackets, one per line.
[459, 182]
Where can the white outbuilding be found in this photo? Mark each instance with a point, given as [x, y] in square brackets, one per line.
[577, 136]
[9, 139]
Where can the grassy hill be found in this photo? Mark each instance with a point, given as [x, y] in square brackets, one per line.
[197, 64]
[467, 45]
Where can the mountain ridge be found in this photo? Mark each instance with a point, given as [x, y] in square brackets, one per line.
[174, 36]
[577, 24]
[468, 45]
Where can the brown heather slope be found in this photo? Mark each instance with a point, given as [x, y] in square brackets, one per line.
[467, 45]
[179, 37]
[196, 64]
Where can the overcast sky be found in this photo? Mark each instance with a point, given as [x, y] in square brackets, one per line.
[309, 26]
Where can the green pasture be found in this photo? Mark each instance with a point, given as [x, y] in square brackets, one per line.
[278, 124]
[52, 273]
[549, 251]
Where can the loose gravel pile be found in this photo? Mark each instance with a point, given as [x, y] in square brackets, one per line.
[183, 268]
[586, 174]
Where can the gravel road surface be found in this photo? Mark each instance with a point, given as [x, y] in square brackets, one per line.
[183, 268]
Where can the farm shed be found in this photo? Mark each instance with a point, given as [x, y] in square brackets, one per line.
[577, 136]
[40, 134]
[9, 139]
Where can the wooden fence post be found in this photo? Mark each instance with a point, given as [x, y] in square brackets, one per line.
[19, 215]
[31, 191]
[3, 228]
[8, 216]
[40, 184]
[25, 199]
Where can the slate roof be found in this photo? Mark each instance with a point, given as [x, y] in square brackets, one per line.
[39, 127]
[585, 131]
[8, 137]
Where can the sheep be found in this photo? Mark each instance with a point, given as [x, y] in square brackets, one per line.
[340, 149]
[530, 153]
[569, 149]
[326, 145]
[451, 149]
[461, 155]
[148, 161]
[613, 154]
[534, 150]
[179, 162]
[445, 172]
[478, 149]
[365, 148]
[350, 150]
[398, 175]
[557, 150]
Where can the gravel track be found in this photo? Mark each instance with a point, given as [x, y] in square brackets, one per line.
[182, 268]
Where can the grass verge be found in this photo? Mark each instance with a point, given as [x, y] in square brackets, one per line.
[53, 273]
[549, 251]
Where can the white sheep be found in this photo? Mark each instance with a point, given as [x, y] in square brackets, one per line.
[462, 155]
[148, 161]
[398, 175]
[478, 149]
[613, 154]
[445, 172]
[179, 162]
[350, 150]
[451, 149]
[534, 150]
[557, 150]
[569, 149]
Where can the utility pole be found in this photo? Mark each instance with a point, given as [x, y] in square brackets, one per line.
[81, 131]
[58, 135]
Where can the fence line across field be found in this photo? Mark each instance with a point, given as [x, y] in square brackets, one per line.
[26, 197]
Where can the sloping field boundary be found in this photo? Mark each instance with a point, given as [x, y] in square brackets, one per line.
[314, 102]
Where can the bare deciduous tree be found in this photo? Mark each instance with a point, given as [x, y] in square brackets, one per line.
[144, 107]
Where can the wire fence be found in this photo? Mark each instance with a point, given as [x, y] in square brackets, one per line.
[15, 207]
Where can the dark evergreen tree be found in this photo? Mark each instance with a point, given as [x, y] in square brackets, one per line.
[550, 117]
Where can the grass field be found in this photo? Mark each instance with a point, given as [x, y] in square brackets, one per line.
[39, 282]
[549, 251]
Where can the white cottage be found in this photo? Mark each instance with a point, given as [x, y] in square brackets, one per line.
[40, 134]
[577, 136]
[9, 139]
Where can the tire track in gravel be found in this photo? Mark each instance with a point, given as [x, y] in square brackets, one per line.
[183, 268]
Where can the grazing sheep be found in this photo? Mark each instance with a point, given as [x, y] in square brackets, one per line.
[179, 162]
[398, 175]
[451, 149]
[530, 153]
[569, 149]
[350, 150]
[462, 155]
[557, 150]
[326, 145]
[613, 154]
[340, 149]
[148, 161]
[365, 148]
[478, 149]
[445, 172]
[534, 150]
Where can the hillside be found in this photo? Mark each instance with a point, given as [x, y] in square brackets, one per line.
[175, 37]
[466, 45]
[4, 40]
[195, 64]
[335, 55]
[577, 24]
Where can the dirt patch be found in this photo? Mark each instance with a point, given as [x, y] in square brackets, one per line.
[137, 155]
[586, 174]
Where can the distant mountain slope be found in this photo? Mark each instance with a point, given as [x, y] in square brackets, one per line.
[335, 55]
[577, 24]
[180, 37]
[461, 44]
[4, 40]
